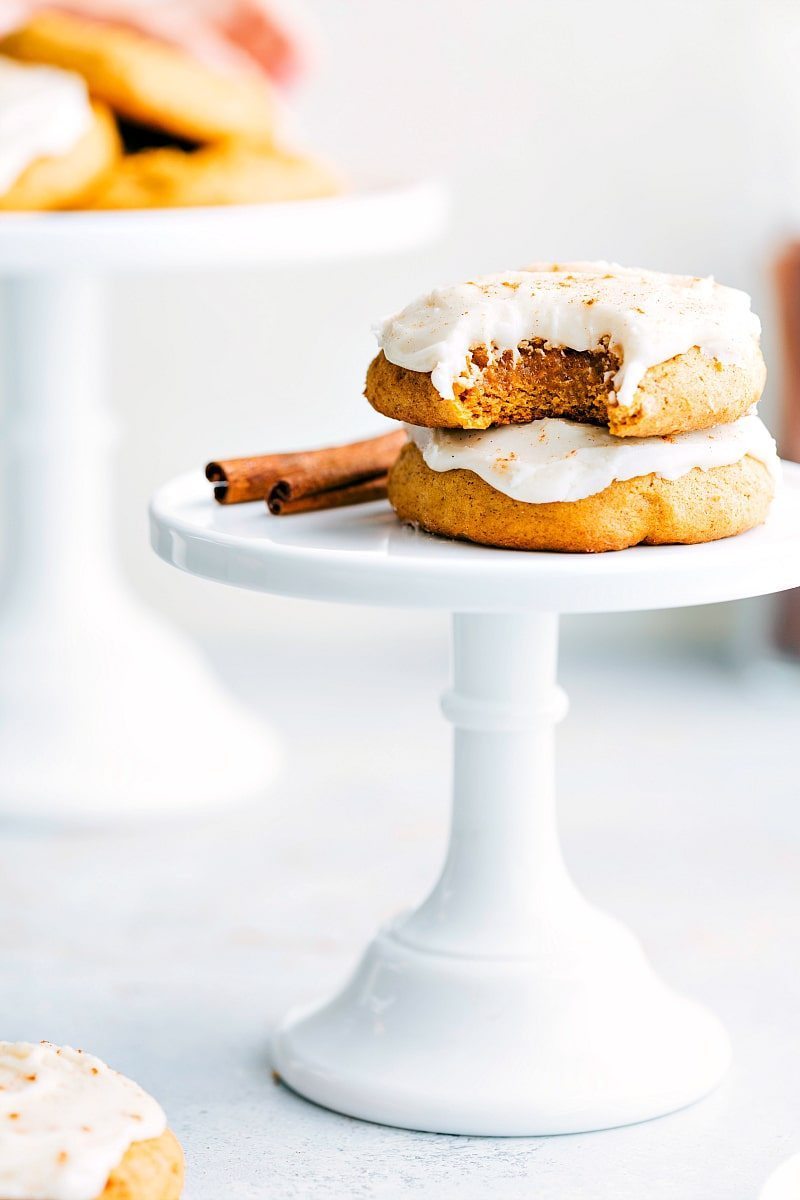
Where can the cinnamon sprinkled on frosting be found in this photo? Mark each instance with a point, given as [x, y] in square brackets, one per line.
[644, 316]
[66, 1121]
[554, 460]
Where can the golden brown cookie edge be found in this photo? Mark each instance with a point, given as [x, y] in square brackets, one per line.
[221, 174]
[149, 1170]
[700, 506]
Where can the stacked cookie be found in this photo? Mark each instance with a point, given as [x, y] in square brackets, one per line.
[105, 117]
[577, 407]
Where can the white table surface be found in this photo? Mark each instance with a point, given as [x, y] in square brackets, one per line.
[170, 949]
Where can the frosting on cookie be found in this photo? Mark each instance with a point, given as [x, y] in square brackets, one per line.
[644, 316]
[66, 1121]
[552, 459]
[44, 112]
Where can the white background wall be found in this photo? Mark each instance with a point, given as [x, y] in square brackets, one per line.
[659, 135]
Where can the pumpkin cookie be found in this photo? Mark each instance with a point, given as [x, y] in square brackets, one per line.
[55, 145]
[700, 506]
[71, 1127]
[147, 81]
[690, 391]
[642, 353]
[227, 173]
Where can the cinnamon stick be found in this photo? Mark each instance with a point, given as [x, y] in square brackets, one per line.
[355, 493]
[238, 480]
[303, 473]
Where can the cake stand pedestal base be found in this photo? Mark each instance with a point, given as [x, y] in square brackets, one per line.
[505, 1004]
[105, 711]
[113, 716]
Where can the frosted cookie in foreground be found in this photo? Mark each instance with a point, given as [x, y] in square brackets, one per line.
[637, 351]
[56, 146]
[73, 1129]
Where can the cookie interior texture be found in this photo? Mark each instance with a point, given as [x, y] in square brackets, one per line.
[151, 1170]
[691, 391]
[70, 180]
[147, 81]
[700, 506]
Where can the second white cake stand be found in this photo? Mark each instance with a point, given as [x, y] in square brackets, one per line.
[505, 1004]
[105, 710]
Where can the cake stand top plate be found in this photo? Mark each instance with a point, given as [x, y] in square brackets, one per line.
[363, 555]
[369, 221]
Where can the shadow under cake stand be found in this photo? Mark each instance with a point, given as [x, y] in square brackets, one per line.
[104, 708]
[505, 1004]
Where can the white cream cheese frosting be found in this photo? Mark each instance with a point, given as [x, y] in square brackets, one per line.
[66, 1121]
[44, 112]
[551, 459]
[647, 317]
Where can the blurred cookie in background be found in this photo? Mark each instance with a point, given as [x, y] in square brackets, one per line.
[148, 81]
[227, 173]
[56, 145]
[192, 133]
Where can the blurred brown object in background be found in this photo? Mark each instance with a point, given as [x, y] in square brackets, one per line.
[787, 280]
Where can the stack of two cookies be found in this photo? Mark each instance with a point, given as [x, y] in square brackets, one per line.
[577, 407]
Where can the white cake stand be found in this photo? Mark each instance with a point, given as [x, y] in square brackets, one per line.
[505, 1004]
[104, 709]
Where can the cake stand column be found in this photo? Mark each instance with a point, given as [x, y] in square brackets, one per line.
[496, 891]
[505, 1004]
[103, 710]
